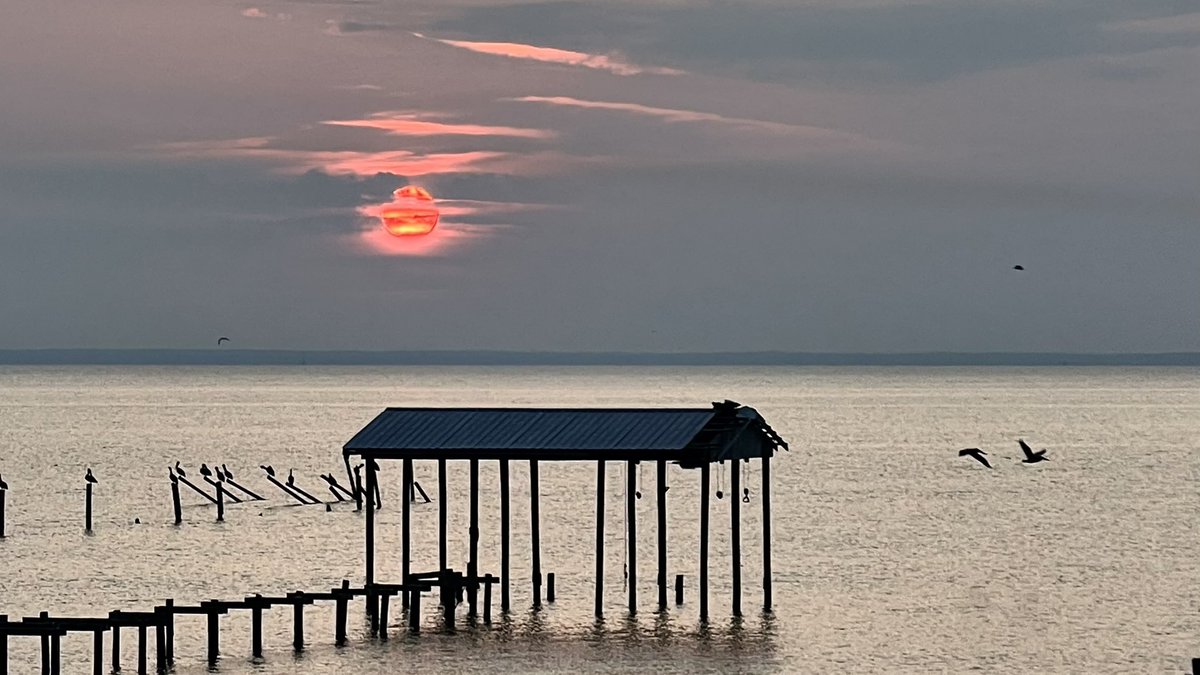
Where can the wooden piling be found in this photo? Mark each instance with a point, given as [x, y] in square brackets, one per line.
[705, 479]
[2, 493]
[442, 516]
[631, 531]
[214, 633]
[175, 501]
[220, 503]
[97, 653]
[766, 524]
[735, 532]
[414, 613]
[370, 537]
[3, 644]
[256, 619]
[449, 595]
[550, 587]
[535, 532]
[405, 526]
[160, 640]
[169, 630]
[505, 606]
[87, 519]
[55, 654]
[661, 489]
[599, 539]
[339, 616]
[384, 601]
[116, 648]
[473, 538]
[358, 489]
[142, 650]
[45, 639]
[487, 600]
[678, 589]
[298, 622]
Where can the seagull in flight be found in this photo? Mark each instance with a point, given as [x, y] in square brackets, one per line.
[222, 339]
[1020, 268]
[977, 454]
[1032, 457]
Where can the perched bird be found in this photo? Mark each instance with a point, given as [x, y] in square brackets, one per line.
[205, 471]
[222, 339]
[228, 473]
[89, 477]
[1019, 267]
[291, 480]
[374, 464]
[268, 468]
[1032, 457]
[978, 454]
[3, 485]
[179, 470]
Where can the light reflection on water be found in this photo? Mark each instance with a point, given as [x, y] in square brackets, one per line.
[891, 553]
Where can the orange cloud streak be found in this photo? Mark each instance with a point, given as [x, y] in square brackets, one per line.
[406, 124]
[516, 50]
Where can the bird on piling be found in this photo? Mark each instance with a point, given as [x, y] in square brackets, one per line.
[3, 485]
[291, 480]
[89, 477]
[268, 468]
[374, 464]
[179, 470]
[205, 471]
[1032, 457]
[228, 473]
[978, 454]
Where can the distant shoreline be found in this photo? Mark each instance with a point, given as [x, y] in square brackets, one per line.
[251, 357]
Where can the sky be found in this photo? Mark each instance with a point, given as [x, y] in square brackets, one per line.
[658, 176]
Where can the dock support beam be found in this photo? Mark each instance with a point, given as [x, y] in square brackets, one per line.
[661, 485]
[600, 539]
[298, 625]
[214, 634]
[705, 480]
[535, 531]
[87, 519]
[505, 605]
[735, 531]
[631, 526]
[370, 528]
[405, 527]
[766, 518]
[175, 500]
[97, 653]
[442, 516]
[473, 538]
[116, 649]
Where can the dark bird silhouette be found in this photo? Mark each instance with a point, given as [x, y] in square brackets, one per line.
[3, 485]
[89, 477]
[374, 464]
[179, 470]
[268, 468]
[1019, 267]
[205, 471]
[291, 479]
[1032, 457]
[222, 339]
[978, 454]
[228, 473]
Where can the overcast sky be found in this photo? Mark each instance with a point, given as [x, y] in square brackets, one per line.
[816, 175]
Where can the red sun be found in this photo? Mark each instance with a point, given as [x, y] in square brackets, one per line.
[411, 213]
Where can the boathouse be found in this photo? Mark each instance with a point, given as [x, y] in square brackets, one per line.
[693, 438]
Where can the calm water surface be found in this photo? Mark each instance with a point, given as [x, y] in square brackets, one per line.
[891, 554]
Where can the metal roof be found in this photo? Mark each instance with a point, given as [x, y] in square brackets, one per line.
[564, 433]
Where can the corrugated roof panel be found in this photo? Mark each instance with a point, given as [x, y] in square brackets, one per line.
[531, 429]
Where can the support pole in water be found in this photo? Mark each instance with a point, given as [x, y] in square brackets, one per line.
[256, 627]
[370, 539]
[220, 502]
[97, 653]
[175, 499]
[735, 531]
[405, 526]
[599, 539]
[705, 479]
[55, 654]
[142, 649]
[2, 493]
[535, 532]
[550, 587]
[442, 515]
[116, 647]
[298, 621]
[87, 518]
[169, 630]
[678, 589]
[214, 633]
[473, 538]
[504, 526]
[339, 616]
[3, 645]
[661, 489]
[766, 518]
[631, 527]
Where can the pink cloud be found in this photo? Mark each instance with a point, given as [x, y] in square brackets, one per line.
[254, 13]
[516, 50]
[409, 124]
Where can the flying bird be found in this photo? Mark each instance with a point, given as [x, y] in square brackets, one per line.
[179, 470]
[205, 471]
[89, 477]
[3, 485]
[222, 339]
[268, 468]
[1032, 457]
[1019, 267]
[977, 454]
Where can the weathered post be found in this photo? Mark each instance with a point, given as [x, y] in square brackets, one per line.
[504, 522]
[2, 493]
[405, 525]
[339, 630]
[97, 654]
[449, 595]
[766, 518]
[4, 643]
[256, 610]
[735, 534]
[705, 486]
[56, 653]
[214, 633]
[384, 600]
[662, 533]
[169, 630]
[142, 649]
[550, 587]
[599, 539]
[298, 622]
[87, 518]
[370, 543]
[414, 612]
[220, 502]
[678, 589]
[631, 525]
[45, 639]
[175, 499]
[473, 539]
[442, 515]
[487, 599]
[160, 640]
[535, 531]
[116, 646]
